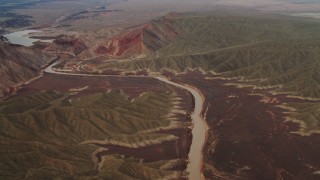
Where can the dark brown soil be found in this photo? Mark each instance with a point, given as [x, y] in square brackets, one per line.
[130, 85]
[169, 150]
[249, 139]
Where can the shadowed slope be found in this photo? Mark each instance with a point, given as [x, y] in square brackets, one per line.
[18, 64]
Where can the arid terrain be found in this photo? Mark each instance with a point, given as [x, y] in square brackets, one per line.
[114, 89]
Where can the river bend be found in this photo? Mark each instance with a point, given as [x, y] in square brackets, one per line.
[199, 130]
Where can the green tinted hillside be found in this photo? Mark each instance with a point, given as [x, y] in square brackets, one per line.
[50, 135]
[277, 50]
[199, 33]
[262, 51]
[292, 64]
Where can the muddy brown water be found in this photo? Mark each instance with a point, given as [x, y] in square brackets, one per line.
[199, 130]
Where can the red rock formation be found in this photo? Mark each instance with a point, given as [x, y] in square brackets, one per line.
[131, 42]
[139, 40]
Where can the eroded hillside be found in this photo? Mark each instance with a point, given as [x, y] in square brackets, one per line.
[142, 40]
[19, 64]
[93, 128]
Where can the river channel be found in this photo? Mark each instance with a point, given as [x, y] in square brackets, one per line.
[199, 130]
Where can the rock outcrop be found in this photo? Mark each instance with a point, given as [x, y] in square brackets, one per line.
[139, 40]
[70, 44]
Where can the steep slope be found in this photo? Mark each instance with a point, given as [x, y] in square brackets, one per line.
[136, 42]
[18, 64]
[139, 40]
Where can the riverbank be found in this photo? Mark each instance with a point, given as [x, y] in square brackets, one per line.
[199, 130]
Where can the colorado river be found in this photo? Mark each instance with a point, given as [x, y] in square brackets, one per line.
[198, 132]
[199, 124]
